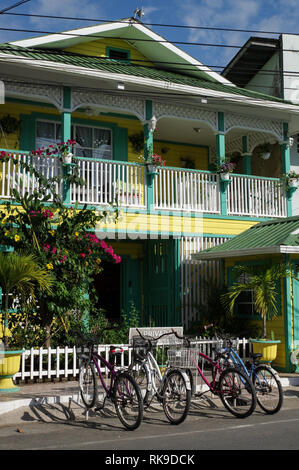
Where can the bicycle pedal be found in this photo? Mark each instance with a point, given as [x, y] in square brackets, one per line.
[99, 407]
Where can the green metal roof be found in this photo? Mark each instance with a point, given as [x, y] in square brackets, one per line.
[120, 67]
[265, 236]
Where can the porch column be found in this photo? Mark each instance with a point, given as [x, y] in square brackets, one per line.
[220, 158]
[148, 152]
[246, 157]
[66, 135]
[286, 163]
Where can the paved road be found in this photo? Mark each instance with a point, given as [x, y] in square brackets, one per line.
[207, 427]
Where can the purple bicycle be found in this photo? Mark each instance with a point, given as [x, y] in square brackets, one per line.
[122, 390]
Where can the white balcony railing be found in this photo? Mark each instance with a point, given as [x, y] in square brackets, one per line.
[191, 190]
[125, 184]
[256, 197]
[13, 176]
[110, 182]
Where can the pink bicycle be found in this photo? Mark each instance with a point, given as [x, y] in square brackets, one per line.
[230, 384]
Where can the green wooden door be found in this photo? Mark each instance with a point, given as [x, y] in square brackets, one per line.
[131, 285]
[161, 283]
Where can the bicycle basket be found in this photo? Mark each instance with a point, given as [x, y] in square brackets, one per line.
[139, 342]
[183, 358]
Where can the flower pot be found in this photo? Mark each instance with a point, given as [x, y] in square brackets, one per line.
[67, 158]
[265, 155]
[292, 183]
[224, 176]
[267, 348]
[9, 366]
[152, 169]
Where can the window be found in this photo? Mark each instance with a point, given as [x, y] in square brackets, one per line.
[245, 301]
[118, 54]
[92, 142]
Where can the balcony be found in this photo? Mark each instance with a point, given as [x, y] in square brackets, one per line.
[172, 189]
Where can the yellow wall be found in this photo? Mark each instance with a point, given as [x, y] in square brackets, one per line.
[97, 48]
[277, 324]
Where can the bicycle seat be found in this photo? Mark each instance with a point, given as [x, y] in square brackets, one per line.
[256, 355]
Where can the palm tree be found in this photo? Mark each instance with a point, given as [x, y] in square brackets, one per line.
[21, 273]
[262, 280]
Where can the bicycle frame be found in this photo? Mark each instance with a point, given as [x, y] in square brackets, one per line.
[216, 369]
[95, 357]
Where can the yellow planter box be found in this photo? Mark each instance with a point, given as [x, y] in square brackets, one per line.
[267, 348]
[9, 366]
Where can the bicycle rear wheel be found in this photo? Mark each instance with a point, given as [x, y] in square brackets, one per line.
[87, 383]
[127, 401]
[237, 392]
[176, 396]
[268, 389]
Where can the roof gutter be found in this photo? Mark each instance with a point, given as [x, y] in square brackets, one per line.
[265, 250]
[160, 84]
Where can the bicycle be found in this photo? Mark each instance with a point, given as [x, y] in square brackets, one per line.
[268, 388]
[230, 384]
[172, 389]
[122, 390]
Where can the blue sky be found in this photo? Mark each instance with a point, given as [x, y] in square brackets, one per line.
[266, 15]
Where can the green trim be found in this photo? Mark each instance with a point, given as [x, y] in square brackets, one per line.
[29, 102]
[287, 315]
[67, 97]
[118, 49]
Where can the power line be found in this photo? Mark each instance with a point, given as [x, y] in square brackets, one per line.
[162, 41]
[210, 28]
[183, 67]
[15, 5]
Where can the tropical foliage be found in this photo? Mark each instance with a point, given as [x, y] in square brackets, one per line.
[262, 280]
[64, 241]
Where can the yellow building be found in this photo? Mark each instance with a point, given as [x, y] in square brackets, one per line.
[121, 91]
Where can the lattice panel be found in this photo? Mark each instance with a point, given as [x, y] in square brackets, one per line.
[50, 93]
[109, 100]
[163, 109]
[243, 121]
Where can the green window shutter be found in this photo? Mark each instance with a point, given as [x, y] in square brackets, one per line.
[27, 134]
[120, 144]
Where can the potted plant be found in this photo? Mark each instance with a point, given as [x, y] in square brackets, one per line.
[152, 163]
[291, 179]
[224, 169]
[264, 151]
[19, 275]
[262, 280]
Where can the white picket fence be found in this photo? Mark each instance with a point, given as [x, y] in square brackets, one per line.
[63, 362]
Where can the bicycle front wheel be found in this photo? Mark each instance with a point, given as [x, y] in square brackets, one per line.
[268, 389]
[237, 392]
[141, 375]
[88, 383]
[127, 401]
[176, 396]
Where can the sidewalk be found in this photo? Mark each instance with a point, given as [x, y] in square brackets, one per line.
[56, 392]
